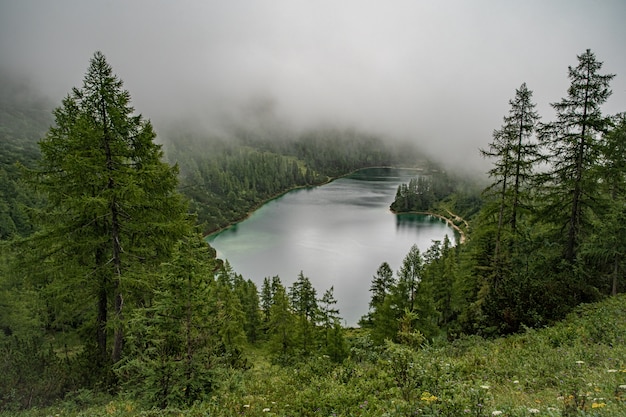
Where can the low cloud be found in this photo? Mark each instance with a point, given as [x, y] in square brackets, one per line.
[437, 73]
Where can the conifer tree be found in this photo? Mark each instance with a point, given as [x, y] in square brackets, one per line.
[333, 342]
[174, 342]
[514, 157]
[112, 207]
[573, 145]
[382, 283]
[409, 278]
[606, 247]
[281, 322]
[304, 304]
[266, 299]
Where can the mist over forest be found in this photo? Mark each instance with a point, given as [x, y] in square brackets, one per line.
[438, 74]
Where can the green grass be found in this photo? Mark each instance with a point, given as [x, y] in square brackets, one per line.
[575, 368]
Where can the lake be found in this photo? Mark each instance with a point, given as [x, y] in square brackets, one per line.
[337, 234]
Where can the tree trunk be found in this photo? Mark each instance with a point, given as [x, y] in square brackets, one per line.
[575, 219]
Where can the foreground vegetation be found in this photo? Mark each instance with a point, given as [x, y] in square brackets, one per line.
[577, 367]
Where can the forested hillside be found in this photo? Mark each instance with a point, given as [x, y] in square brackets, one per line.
[112, 302]
[24, 118]
[226, 177]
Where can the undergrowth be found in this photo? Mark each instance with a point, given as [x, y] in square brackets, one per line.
[575, 368]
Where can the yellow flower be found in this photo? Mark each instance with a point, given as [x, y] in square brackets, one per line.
[598, 405]
[428, 397]
[110, 408]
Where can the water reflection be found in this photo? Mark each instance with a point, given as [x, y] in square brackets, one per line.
[337, 235]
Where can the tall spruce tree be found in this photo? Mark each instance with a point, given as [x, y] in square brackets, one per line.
[573, 145]
[112, 207]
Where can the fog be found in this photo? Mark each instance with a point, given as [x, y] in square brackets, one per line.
[439, 73]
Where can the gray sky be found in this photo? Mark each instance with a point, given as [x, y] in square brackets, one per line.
[436, 72]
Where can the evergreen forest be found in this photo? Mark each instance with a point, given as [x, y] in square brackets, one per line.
[112, 303]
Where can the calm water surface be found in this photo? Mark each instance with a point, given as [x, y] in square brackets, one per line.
[337, 234]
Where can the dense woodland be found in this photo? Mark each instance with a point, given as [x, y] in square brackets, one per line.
[114, 304]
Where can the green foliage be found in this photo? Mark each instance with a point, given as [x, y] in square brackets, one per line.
[423, 192]
[282, 323]
[24, 118]
[199, 340]
[112, 211]
[573, 146]
[174, 343]
[575, 368]
[402, 309]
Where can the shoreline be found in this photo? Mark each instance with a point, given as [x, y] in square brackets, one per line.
[449, 221]
[300, 187]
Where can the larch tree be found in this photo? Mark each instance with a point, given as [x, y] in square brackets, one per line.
[514, 156]
[281, 325]
[606, 247]
[303, 299]
[381, 285]
[112, 207]
[573, 144]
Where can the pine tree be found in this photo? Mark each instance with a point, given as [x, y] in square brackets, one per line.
[304, 304]
[333, 341]
[573, 146]
[281, 322]
[112, 207]
[606, 247]
[409, 277]
[382, 283]
[174, 343]
[514, 157]
[266, 300]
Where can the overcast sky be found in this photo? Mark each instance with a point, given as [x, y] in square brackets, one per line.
[436, 72]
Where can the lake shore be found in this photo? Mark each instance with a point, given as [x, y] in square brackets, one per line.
[449, 221]
[299, 187]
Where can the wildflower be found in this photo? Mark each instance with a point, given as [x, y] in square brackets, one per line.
[485, 386]
[516, 382]
[496, 412]
[580, 362]
[428, 397]
[246, 406]
[598, 405]
[612, 371]
[533, 411]
[265, 410]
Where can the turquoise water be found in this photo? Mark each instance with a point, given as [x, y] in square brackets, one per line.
[337, 234]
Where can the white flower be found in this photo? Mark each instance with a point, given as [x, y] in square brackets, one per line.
[496, 413]
[622, 387]
[485, 386]
[612, 370]
[516, 382]
[533, 411]
[580, 362]
[246, 406]
[265, 410]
